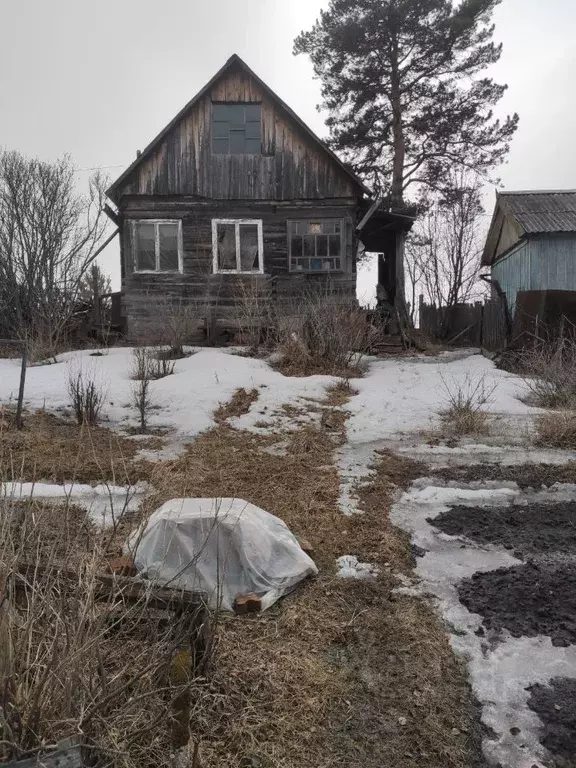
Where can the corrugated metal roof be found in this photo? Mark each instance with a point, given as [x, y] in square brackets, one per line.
[538, 211]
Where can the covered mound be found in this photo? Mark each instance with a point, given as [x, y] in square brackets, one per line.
[223, 547]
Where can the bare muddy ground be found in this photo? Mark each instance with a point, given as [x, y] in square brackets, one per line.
[526, 529]
[526, 475]
[527, 600]
[555, 705]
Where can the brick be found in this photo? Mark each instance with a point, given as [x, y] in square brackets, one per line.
[250, 603]
[122, 566]
[306, 547]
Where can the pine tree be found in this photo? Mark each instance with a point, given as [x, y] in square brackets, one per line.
[403, 82]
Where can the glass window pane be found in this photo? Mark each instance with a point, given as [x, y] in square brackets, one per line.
[249, 247]
[226, 246]
[322, 245]
[220, 146]
[315, 227]
[220, 130]
[145, 247]
[168, 237]
[315, 264]
[335, 245]
[253, 131]
[237, 142]
[253, 113]
[296, 246]
[220, 112]
[309, 245]
[252, 146]
[337, 227]
[236, 115]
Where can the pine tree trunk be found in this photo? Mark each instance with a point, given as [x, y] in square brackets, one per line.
[397, 188]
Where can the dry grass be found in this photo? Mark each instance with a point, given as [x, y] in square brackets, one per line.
[549, 368]
[465, 400]
[56, 450]
[341, 673]
[238, 405]
[556, 429]
[75, 661]
[325, 677]
[340, 392]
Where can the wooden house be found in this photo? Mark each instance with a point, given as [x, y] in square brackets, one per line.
[531, 245]
[237, 195]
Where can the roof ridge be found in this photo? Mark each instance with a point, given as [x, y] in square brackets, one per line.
[537, 192]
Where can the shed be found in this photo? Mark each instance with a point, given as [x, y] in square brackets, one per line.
[531, 244]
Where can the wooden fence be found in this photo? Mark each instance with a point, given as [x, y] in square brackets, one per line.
[467, 325]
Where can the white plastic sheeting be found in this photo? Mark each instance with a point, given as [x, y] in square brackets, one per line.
[223, 547]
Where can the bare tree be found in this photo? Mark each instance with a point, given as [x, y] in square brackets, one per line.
[443, 252]
[49, 236]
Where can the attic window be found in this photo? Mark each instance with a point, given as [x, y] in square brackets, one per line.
[236, 129]
[237, 245]
[316, 245]
[157, 246]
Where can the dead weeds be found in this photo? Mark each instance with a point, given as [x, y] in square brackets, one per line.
[53, 449]
[556, 429]
[341, 673]
[238, 405]
[339, 393]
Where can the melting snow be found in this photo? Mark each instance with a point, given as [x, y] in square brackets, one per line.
[104, 503]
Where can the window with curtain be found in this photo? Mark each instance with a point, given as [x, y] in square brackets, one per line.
[237, 245]
[316, 245]
[157, 246]
[236, 129]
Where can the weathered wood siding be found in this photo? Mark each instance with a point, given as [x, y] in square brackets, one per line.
[291, 167]
[148, 295]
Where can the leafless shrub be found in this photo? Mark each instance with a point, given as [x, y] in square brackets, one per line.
[464, 414]
[321, 333]
[550, 372]
[151, 364]
[77, 659]
[254, 313]
[180, 322]
[86, 394]
[142, 402]
[556, 430]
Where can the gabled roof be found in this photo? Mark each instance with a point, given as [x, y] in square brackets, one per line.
[542, 211]
[234, 61]
[530, 212]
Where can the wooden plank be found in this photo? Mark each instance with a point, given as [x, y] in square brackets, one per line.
[118, 587]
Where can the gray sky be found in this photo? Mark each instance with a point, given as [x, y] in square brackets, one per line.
[99, 81]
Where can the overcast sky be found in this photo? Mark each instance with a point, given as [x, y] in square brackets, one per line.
[100, 80]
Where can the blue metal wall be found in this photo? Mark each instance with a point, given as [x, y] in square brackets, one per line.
[545, 262]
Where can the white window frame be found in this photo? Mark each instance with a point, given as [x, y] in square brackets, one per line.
[237, 223]
[156, 223]
[343, 241]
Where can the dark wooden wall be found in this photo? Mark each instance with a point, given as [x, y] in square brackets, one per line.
[292, 166]
[146, 294]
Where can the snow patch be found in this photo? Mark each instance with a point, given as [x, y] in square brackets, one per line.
[105, 504]
[349, 567]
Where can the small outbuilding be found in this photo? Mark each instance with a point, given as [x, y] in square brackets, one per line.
[531, 244]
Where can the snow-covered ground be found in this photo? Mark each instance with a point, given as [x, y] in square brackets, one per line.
[397, 396]
[104, 503]
[184, 402]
